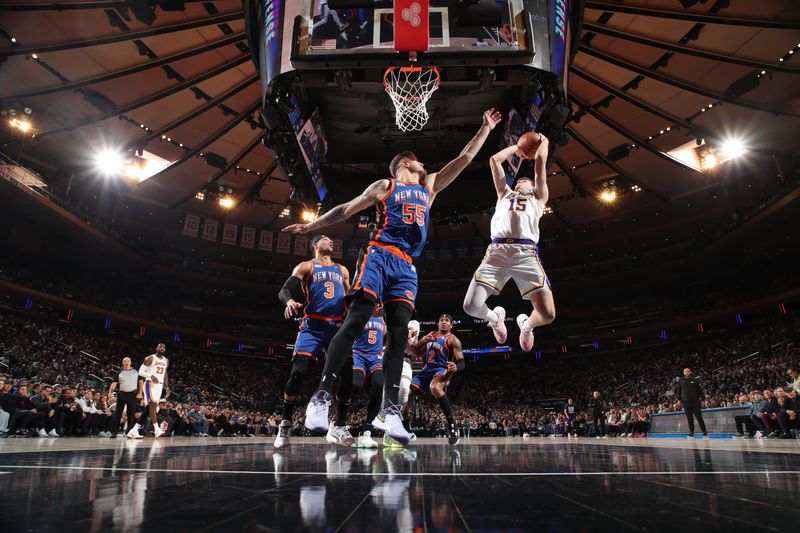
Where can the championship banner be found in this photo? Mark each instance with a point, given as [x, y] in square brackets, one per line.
[210, 230]
[284, 241]
[265, 241]
[300, 245]
[191, 226]
[229, 234]
[338, 245]
[248, 237]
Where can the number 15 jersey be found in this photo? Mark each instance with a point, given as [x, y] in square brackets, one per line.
[516, 216]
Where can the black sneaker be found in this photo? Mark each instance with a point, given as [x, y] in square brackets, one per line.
[453, 436]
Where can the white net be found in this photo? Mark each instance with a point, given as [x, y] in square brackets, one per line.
[410, 88]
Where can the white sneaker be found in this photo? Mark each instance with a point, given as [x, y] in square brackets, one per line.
[157, 431]
[339, 435]
[392, 421]
[525, 333]
[53, 433]
[42, 433]
[282, 439]
[365, 441]
[317, 411]
[134, 432]
[759, 435]
[499, 327]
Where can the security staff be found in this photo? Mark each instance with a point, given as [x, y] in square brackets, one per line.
[690, 395]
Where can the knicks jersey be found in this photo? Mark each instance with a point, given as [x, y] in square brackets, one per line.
[517, 216]
[403, 217]
[371, 339]
[324, 289]
[437, 353]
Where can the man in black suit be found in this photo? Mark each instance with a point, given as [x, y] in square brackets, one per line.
[690, 395]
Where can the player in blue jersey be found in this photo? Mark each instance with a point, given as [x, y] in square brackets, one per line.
[320, 285]
[368, 370]
[570, 413]
[443, 357]
[386, 271]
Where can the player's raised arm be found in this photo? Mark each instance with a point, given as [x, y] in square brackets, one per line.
[498, 174]
[440, 180]
[540, 167]
[342, 212]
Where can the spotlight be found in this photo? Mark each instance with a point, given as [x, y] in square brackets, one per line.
[608, 196]
[732, 148]
[308, 215]
[226, 202]
[109, 162]
[20, 124]
[709, 160]
[200, 195]
[285, 213]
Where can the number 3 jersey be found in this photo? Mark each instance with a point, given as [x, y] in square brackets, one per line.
[324, 290]
[516, 216]
[403, 217]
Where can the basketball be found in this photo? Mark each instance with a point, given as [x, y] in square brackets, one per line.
[528, 144]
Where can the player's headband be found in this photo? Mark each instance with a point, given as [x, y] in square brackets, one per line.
[316, 239]
[445, 315]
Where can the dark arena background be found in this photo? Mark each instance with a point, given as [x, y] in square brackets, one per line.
[172, 179]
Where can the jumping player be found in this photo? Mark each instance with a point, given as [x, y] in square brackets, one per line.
[513, 253]
[386, 271]
[322, 284]
[153, 374]
[368, 370]
[443, 357]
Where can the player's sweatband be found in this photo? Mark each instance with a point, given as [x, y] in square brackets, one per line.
[290, 290]
[460, 365]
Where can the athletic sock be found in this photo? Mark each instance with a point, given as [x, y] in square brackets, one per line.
[341, 413]
[288, 410]
[444, 403]
[491, 316]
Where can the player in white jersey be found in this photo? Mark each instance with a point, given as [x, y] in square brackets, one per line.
[513, 253]
[153, 374]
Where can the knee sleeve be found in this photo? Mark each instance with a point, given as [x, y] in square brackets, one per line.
[359, 381]
[405, 383]
[300, 368]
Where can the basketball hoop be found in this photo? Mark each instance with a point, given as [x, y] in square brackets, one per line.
[410, 88]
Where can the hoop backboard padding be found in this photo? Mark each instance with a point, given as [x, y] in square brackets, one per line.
[410, 88]
[411, 25]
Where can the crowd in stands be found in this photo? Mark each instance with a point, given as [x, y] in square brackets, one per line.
[55, 381]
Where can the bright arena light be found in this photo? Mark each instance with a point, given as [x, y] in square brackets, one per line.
[732, 148]
[309, 215]
[608, 196]
[226, 202]
[109, 162]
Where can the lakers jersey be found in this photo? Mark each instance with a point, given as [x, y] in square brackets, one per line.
[158, 367]
[437, 353]
[371, 339]
[403, 216]
[324, 290]
[517, 216]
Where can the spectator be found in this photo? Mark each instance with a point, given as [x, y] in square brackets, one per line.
[91, 420]
[44, 404]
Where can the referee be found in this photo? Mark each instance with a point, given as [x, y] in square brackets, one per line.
[128, 380]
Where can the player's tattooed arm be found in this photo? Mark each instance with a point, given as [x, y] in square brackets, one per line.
[342, 212]
[458, 355]
[440, 180]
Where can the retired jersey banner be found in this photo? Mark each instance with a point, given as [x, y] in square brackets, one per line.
[284, 241]
[229, 234]
[210, 230]
[337, 248]
[248, 237]
[265, 241]
[191, 226]
[300, 245]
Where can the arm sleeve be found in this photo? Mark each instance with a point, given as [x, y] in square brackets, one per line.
[460, 365]
[290, 290]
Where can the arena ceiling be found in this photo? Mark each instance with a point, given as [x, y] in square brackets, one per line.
[648, 77]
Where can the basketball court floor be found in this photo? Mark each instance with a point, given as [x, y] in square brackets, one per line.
[482, 484]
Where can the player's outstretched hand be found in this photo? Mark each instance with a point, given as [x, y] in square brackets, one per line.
[292, 309]
[297, 228]
[544, 147]
[491, 117]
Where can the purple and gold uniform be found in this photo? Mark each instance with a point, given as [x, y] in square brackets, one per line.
[325, 307]
[385, 268]
[368, 348]
[437, 355]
